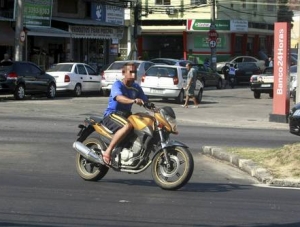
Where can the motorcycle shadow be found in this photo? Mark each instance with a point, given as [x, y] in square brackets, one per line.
[189, 187]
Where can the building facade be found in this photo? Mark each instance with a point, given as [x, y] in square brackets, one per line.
[94, 31]
[179, 28]
[64, 30]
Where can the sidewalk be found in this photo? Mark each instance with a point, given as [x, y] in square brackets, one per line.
[215, 111]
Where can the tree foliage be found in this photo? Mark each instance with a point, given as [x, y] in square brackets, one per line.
[284, 14]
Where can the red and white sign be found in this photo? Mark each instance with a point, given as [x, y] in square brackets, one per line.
[281, 102]
[213, 35]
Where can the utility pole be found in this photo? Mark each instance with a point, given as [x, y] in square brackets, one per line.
[212, 39]
[298, 71]
[18, 56]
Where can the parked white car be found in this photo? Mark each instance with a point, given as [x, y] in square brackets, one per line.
[114, 72]
[168, 81]
[75, 77]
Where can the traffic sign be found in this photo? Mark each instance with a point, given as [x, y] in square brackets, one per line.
[22, 36]
[212, 43]
[212, 35]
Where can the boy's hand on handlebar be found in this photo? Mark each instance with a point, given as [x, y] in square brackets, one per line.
[139, 101]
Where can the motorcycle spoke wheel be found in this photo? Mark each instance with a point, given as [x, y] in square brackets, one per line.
[177, 173]
[88, 170]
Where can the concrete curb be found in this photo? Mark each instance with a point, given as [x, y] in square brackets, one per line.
[250, 167]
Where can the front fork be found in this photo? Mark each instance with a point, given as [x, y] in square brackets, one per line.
[168, 143]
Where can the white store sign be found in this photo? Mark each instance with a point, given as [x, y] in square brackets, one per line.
[238, 25]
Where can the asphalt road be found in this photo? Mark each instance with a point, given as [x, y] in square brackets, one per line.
[40, 186]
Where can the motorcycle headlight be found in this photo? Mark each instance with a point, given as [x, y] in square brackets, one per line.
[168, 114]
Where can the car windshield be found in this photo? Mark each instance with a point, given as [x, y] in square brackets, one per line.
[119, 65]
[5, 66]
[247, 66]
[61, 68]
[161, 72]
[293, 69]
[269, 71]
[164, 61]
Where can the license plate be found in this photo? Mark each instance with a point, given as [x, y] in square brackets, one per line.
[266, 85]
[156, 91]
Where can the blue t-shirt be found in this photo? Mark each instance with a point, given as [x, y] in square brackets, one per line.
[132, 92]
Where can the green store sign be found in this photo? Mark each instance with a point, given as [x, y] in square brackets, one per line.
[38, 13]
[204, 25]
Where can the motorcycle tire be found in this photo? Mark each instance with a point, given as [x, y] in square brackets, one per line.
[180, 171]
[87, 170]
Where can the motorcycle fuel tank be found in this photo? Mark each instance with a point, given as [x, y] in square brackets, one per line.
[141, 121]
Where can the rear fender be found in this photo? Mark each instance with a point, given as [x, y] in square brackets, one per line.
[84, 132]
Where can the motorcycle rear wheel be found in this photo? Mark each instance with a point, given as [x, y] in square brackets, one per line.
[87, 170]
[180, 171]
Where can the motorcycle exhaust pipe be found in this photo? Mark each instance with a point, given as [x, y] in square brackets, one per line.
[87, 153]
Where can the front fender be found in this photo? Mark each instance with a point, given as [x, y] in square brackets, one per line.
[173, 143]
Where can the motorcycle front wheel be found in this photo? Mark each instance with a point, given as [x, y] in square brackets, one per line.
[178, 173]
[88, 170]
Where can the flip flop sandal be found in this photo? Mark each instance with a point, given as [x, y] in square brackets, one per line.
[106, 159]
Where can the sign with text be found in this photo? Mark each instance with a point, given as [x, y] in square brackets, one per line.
[94, 32]
[38, 13]
[205, 25]
[281, 94]
[107, 13]
[238, 25]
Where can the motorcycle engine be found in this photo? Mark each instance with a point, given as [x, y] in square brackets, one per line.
[128, 155]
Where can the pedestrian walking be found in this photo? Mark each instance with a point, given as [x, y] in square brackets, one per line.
[190, 87]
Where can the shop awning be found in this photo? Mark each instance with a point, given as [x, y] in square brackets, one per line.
[85, 22]
[7, 34]
[163, 29]
[47, 31]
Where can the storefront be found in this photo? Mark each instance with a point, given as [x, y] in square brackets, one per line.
[7, 39]
[46, 46]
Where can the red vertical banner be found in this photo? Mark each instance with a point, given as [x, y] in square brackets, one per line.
[281, 96]
[184, 37]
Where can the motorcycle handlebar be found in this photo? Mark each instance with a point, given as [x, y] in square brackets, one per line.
[149, 105]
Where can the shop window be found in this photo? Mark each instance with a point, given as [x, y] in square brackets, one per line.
[198, 2]
[244, 3]
[163, 2]
[88, 10]
[271, 5]
[67, 6]
[254, 6]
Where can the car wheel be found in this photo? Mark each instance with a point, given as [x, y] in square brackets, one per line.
[19, 92]
[219, 85]
[271, 95]
[180, 97]
[200, 95]
[77, 90]
[51, 91]
[256, 95]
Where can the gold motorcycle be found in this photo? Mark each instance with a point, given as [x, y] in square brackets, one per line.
[148, 144]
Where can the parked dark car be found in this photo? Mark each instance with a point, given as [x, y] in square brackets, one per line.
[22, 78]
[170, 61]
[294, 120]
[245, 70]
[207, 76]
